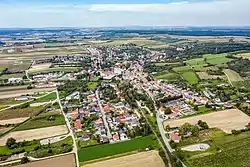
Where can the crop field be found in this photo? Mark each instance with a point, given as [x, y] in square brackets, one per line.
[233, 76]
[165, 75]
[42, 121]
[227, 120]
[217, 59]
[197, 63]
[234, 152]
[204, 69]
[49, 97]
[19, 113]
[190, 76]
[205, 75]
[139, 42]
[244, 55]
[13, 121]
[7, 76]
[39, 67]
[8, 102]
[40, 133]
[54, 69]
[9, 93]
[101, 151]
[62, 161]
[182, 69]
[145, 159]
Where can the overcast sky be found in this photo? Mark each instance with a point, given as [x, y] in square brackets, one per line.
[102, 13]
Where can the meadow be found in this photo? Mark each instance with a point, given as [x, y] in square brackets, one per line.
[101, 151]
[50, 97]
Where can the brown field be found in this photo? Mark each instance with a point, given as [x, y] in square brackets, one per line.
[32, 134]
[62, 161]
[205, 75]
[40, 67]
[15, 93]
[244, 55]
[13, 121]
[19, 113]
[3, 130]
[143, 159]
[226, 120]
[204, 69]
[213, 38]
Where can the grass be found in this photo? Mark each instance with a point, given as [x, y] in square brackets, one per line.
[41, 121]
[93, 85]
[191, 77]
[244, 55]
[233, 76]
[168, 76]
[234, 152]
[8, 102]
[7, 76]
[106, 150]
[49, 97]
[19, 113]
[197, 63]
[59, 69]
[182, 69]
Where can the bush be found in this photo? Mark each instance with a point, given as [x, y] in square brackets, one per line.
[10, 143]
[24, 160]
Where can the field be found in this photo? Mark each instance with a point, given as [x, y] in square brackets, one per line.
[137, 41]
[168, 76]
[205, 75]
[204, 69]
[40, 67]
[50, 97]
[182, 69]
[19, 113]
[234, 151]
[8, 102]
[62, 161]
[40, 133]
[15, 93]
[190, 76]
[41, 121]
[232, 75]
[101, 151]
[145, 159]
[13, 121]
[7, 76]
[92, 85]
[244, 55]
[226, 120]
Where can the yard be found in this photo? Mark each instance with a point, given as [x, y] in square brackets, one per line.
[101, 151]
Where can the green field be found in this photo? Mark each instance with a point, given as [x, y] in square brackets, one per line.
[233, 76]
[196, 63]
[182, 69]
[190, 76]
[7, 76]
[225, 150]
[59, 69]
[93, 85]
[168, 76]
[8, 102]
[106, 150]
[49, 97]
[41, 121]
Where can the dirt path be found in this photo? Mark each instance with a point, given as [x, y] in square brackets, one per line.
[143, 159]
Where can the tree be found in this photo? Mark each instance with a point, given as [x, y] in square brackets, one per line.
[24, 160]
[167, 111]
[10, 142]
[196, 108]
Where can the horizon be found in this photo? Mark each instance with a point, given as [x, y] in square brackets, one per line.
[110, 13]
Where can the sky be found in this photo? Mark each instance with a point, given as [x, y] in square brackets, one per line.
[118, 13]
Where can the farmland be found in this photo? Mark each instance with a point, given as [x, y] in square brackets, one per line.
[50, 97]
[62, 161]
[145, 159]
[190, 76]
[35, 134]
[7, 76]
[106, 150]
[234, 151]
[205, 75]
[229, 120]
[168, 76]
[232, 75]
[42, 121]
[244, 55]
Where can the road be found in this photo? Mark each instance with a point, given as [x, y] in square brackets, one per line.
[70, 130]
[159, 141]
[103, 115]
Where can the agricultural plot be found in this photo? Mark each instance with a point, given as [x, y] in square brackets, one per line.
[15, 92]
[190, 76]
[226, 120]
[43, 120]
[244, 55]
[101, 151]
[232, 76]
[13, 121]
[227, 150]
[205, 76]
[62, 161]
[19, 112]
[7, 76]
[40, 133]
[204, 69]
[145, 159]
[217, 59]
[4, 103]
[54, 69]
[18, 66]
[182, 69]
[197, 63]
[50, 97]
[168, 76]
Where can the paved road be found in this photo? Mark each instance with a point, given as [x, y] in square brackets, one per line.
[70, 130]
[103, 115]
